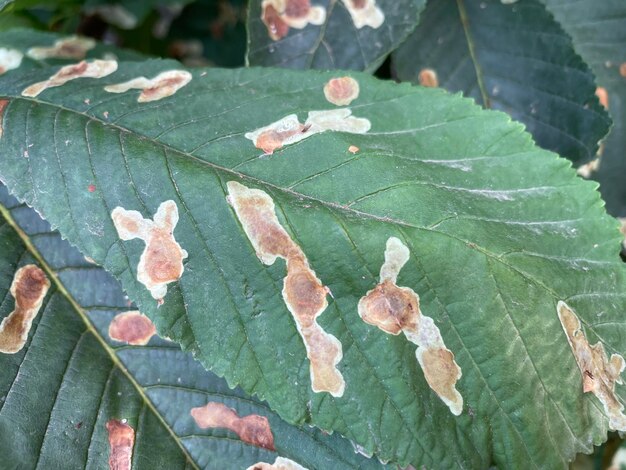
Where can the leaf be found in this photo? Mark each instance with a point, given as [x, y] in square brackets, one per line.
[511, 57]
[333, 40]
[599, 34]
[71, 378]
[498, 230]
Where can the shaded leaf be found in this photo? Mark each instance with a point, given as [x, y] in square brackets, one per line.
[515, 58]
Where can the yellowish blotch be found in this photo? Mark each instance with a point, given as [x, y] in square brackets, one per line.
[428, 78]
[281, 463]
[132, 328]
[121, 442]
[289, 130]
[599, 374]
[365, 13]
[29, 287]
[280, 15]
[341, 91]
[10, 59]
[303, 293]
[253, 429]
[394, 309]
[73, 47]
[163, 85]
[162, 259]
[93, 69]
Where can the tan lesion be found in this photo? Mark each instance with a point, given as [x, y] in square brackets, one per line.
[365, 13]
[29, 287]
[83, 69]
[599, 373]
[303, 293]
[10, 59]
[121, 442]
[162, 259]
[252, 429]
[132, 328]
[281, 463]
[396, 309]
[341, 91]
[73, 47]
[280, 15]
[163, 85]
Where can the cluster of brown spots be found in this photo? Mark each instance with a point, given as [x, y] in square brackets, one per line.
[121, 442]
[428, 78]
[132, 328]
[599, 374]
[162, 260]
[9, 59]
[3, 105]
[622, 70]
[341, 91]
[303, 293]
[163, 85]
[29, 287]
[281, 463]
[280, 15]
[603, 97]
[394, 309]
[365, 13]
[289, 130]
[94, 69]
[73, 47]
[253, 429]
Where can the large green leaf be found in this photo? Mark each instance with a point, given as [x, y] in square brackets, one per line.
[337, 42]
[498, 230]
[71, 378]
[511, 57]
[599, 34]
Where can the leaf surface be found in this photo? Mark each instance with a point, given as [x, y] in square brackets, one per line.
[498, 231]
[511, 57]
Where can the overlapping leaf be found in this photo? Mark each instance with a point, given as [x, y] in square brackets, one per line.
[515, 58]
[71, 378]
[498, 229]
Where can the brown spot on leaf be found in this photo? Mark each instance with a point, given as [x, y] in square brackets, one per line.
[281, 463]
[599, 374]
[131, 328]
[94, 69]
[9, 59]
[121, 442]
[303, 293]
[622, 70]
[91, 188]
[365, 13]
[280, 15]
[341, 91]
[603, 97]
[428, 78]
[163, 85]
[73, 47]
[353, 149]
[396, 309]
[588, 169]
[162, 259]
[3, 105]
[253, 429]
[29, 287]
[289, 130]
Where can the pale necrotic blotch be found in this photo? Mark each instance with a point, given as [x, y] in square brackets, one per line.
[132, 328]
[163, 85]
[253, 429]
[428, 78]
[29, 287]
[280, 15]
[365, 13]
[10, 59]
[281, 463]
[121, 441]
[93, 69]
[289, 130]
[162, 259]
[303, 293]
[396, 309]
[599, 374]
[341, 91]
[73, 47]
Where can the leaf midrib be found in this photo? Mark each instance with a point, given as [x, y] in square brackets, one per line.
[60, 287]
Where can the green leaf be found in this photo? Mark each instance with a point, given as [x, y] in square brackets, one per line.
[515, 58]
[333, 40]
[499, 231]
[599, 34]
[71, 378]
